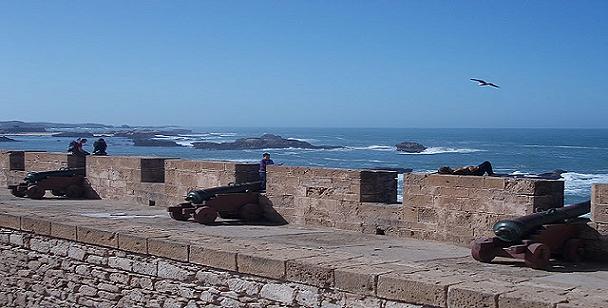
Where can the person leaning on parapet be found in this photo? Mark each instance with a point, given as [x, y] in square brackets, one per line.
[77, 147]
[99, 147]
[263, 163]
[481, 169]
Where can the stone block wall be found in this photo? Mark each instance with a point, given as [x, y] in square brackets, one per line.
[597, 235]
[114, 177]
[327, 197]
[4, 167]
[448, 208]
[182, 176]
[461, 208]
[160, 181]
[41, 271]
[15, 164]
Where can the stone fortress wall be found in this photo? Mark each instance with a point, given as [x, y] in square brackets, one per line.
[50, 263]
[446, 208]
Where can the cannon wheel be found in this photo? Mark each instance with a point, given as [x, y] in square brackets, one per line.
[73, 191]
[57, 193]
[573, 250]
[537, 256]
[18, 192]
[483, 250]
[205, 215]
[176, 213]
[35, 192]
[250, 212]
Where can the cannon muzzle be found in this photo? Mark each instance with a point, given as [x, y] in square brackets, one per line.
[515, 230]
[201, 195]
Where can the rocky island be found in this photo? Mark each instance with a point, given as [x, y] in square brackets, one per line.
[410, 147]
[266, 141]
[6, 139]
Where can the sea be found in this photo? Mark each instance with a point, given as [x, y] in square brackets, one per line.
[583, 153]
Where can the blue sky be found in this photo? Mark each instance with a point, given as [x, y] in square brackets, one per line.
[306, 63]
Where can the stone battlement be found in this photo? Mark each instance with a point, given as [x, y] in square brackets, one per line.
[115, 252]
[447, 208]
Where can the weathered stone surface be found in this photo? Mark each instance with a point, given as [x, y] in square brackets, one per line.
[429, 288]
[361, 279]
[168, 249]
[477, 294]
[96, 236]
[599, 203]
[36, 225]
[63, 231]
[133, 243]
[10, 221]
[216, 256]
[269, 263]
[531, 297]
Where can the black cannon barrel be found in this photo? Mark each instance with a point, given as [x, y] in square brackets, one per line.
[514, 230]
[200, 195]
[33, 177]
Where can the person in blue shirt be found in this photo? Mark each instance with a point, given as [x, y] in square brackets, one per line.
[263, 163]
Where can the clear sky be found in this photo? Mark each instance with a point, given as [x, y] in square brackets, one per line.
[306, 63]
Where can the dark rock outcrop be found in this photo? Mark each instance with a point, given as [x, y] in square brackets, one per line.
[6, 139]
[74, 134]
[410, 147]
[267, 141]
[146, 142]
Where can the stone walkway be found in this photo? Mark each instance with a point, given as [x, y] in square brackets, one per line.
[408, 270]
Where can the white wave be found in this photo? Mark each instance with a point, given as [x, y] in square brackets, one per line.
[517, 172]
[185, 143]
[580, 183]
[223, 134]
[304, 139]
[443, 150]
[400, 177]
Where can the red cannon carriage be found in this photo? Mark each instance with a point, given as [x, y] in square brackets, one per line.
[235, 201]
[536, 238]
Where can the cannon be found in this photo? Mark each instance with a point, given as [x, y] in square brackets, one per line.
[63, 182]
[536, 238]
[234, 201]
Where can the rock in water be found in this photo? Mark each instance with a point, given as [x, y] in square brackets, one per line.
[410, 147]
[266, 141]
[6, 139]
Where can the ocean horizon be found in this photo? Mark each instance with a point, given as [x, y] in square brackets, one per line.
[583, 153]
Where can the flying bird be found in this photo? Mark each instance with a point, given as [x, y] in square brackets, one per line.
[484, 83]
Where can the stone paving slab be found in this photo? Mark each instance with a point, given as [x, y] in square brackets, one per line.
[408, 270]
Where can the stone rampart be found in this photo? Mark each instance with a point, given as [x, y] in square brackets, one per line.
[597, 238]
[461, 208]
[41, 271]
[328, 197]
[184, 175]
[438, 207]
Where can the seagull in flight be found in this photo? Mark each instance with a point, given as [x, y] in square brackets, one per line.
[484, 83]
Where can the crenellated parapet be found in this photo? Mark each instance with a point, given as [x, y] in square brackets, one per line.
[435, 207]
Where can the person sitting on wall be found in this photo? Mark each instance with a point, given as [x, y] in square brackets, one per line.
[77, 147]
[481, 169]
[263, 163]
[99, 147]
